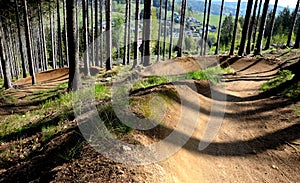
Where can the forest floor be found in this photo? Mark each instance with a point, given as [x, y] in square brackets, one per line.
[258, 141]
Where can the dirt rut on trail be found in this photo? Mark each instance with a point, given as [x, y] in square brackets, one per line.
[254, 142]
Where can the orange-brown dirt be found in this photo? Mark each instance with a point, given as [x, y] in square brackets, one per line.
[258, 141]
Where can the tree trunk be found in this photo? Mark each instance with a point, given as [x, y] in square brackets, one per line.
[96, 35]
[9, 48]
[250, 31]
[93, 35]
[182, 23]
[235, 27]
[147, 31]
[66, 32]
[28, 43]
[293, 24]
[203, 29]
[245, 28]
[256, 25]
[24, 72]
[61, 62]
[4, 63]
[165, 28]
[129, 34]
[126, 31]
[207, 24]
[272, 26]
[297, 42]
[39, 45]
[219, 29]
[136, 34]
[85, 37]
[262, 26]
[44, 43]
[1, 70]
[52, 38]
[108, 35]
[159, 30]
[101, 34]
[74, 76]
[171, 30]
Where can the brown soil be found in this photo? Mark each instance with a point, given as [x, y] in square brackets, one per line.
[257, 142]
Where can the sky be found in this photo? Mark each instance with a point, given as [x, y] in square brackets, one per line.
[284, 3]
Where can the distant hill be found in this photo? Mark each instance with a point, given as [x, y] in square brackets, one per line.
[230, 7]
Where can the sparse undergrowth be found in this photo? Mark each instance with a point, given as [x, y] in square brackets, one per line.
[25, 132]
[284, 76]
[212, 74]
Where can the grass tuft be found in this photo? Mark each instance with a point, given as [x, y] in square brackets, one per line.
[284, 76]
[212, 74]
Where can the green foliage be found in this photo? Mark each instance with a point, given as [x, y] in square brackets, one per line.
[283, 22]
[111, 121]
[189, 43]
[49, 132]
[8, 99]
[297, 111]
[151, 81]
[284, 75]
[70, 153]
[212, 74]
[293, 91]
[227, 31]
[118, 34]
[62, 86]
[101, 92]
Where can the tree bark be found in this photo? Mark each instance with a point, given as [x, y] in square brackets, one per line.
[44, 43]
[4, 63]
[171, 30]
[126, 32]
[24, 72]
[101, 34]
[108, 7]
[219, 29]
[74, 76]
[159, 30]
[272, 26]
[293, 24]
[256, 25]
[245, 28]
[207, 24]
[165, 28]
[235, 28]
[85, 37]
[203, 29]
[129, 34]
[66, 32]
[147, 31]
[52, 38]
[250, 31]
[136, 34]
[61, 62]
[92, 35]
[297, 42]
[262, 27]
[96, 34]
[28, 44]
[182, 23]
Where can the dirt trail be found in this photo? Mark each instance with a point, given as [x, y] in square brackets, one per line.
[254, 142]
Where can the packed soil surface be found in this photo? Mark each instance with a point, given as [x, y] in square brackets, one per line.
[246, 135]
